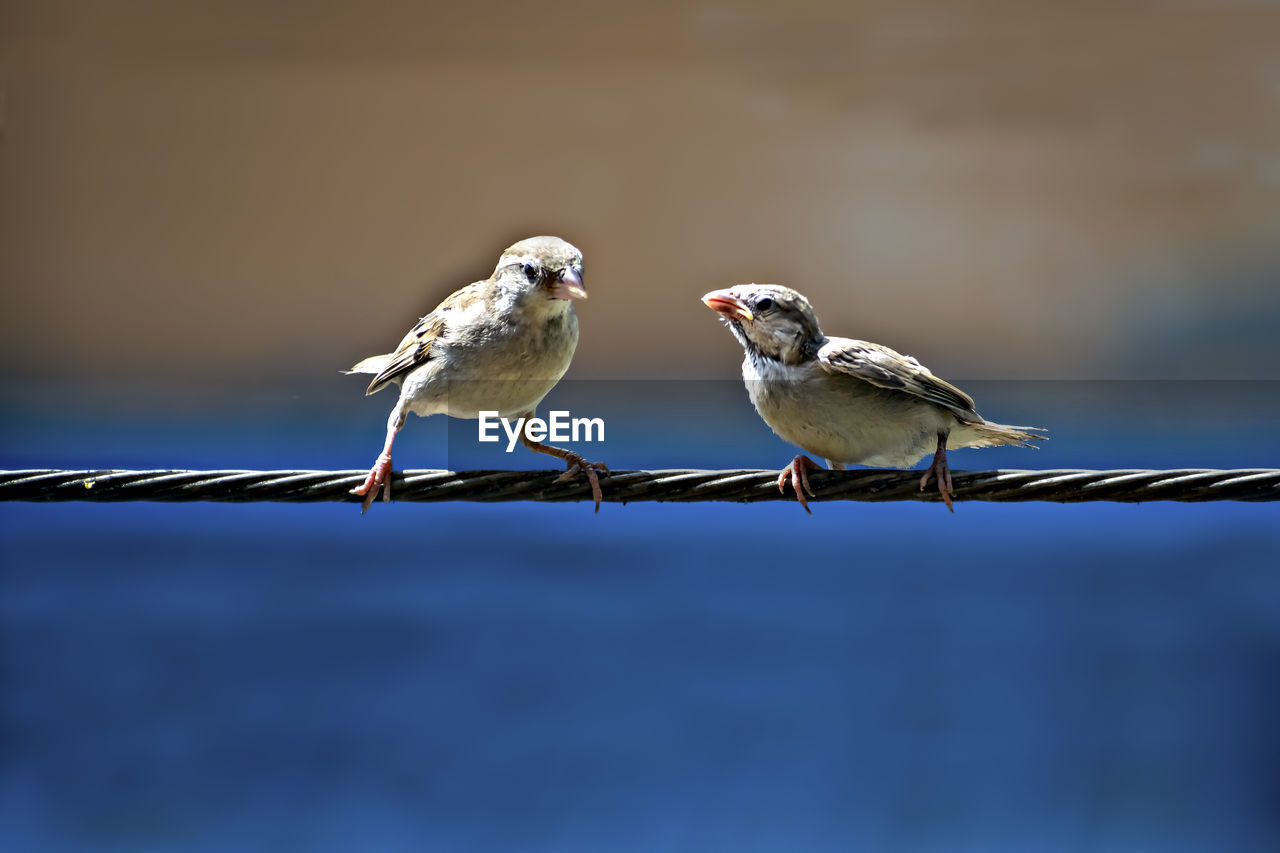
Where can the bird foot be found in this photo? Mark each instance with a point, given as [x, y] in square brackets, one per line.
[796, 473]
[575, 464]
[939, 470]
[379, 479]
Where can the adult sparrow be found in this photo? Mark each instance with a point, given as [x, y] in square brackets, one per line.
[495, 345]
[844, 400]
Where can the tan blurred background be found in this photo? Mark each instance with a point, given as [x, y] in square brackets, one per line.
[234, 190]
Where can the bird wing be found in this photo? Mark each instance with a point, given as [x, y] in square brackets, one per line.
[416, 348]
[886, 368]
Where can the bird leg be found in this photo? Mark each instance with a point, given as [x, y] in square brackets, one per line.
[940, 472]
[795, 472]
[575, 463]
[379, 478]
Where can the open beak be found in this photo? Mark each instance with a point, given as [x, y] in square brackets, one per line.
[727, 305]
[569, 286]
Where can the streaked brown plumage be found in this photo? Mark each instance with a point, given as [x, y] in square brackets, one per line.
[495, 345]
[848, 401]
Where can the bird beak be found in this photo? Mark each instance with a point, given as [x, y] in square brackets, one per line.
[569, 286]
[727, 305]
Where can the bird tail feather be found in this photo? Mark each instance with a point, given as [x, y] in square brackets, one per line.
[373, 364]
[988, 434]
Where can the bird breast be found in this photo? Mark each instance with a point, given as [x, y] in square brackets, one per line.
[841, 418]
[505, 367]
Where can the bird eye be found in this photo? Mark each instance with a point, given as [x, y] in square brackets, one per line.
[530, 272]
[764, 304]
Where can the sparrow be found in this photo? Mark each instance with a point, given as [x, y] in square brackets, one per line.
[495, 345]
[844, 400]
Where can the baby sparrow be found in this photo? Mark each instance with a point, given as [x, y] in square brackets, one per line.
[847, 401]
[495, 345]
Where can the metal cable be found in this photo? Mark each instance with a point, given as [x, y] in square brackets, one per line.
[745, 485]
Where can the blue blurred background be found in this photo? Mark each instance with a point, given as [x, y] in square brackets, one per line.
[207, 209]
[656, 677]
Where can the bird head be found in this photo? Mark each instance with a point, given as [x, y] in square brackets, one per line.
[769, 320]
[547, 266]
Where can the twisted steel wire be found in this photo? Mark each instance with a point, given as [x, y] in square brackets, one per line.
[743, 485]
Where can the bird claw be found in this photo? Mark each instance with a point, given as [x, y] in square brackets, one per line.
[796, 473]
[942, 473]
[575, 465]
[379, 480]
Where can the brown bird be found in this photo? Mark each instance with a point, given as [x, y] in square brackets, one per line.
[848, 401]
[495, 345]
